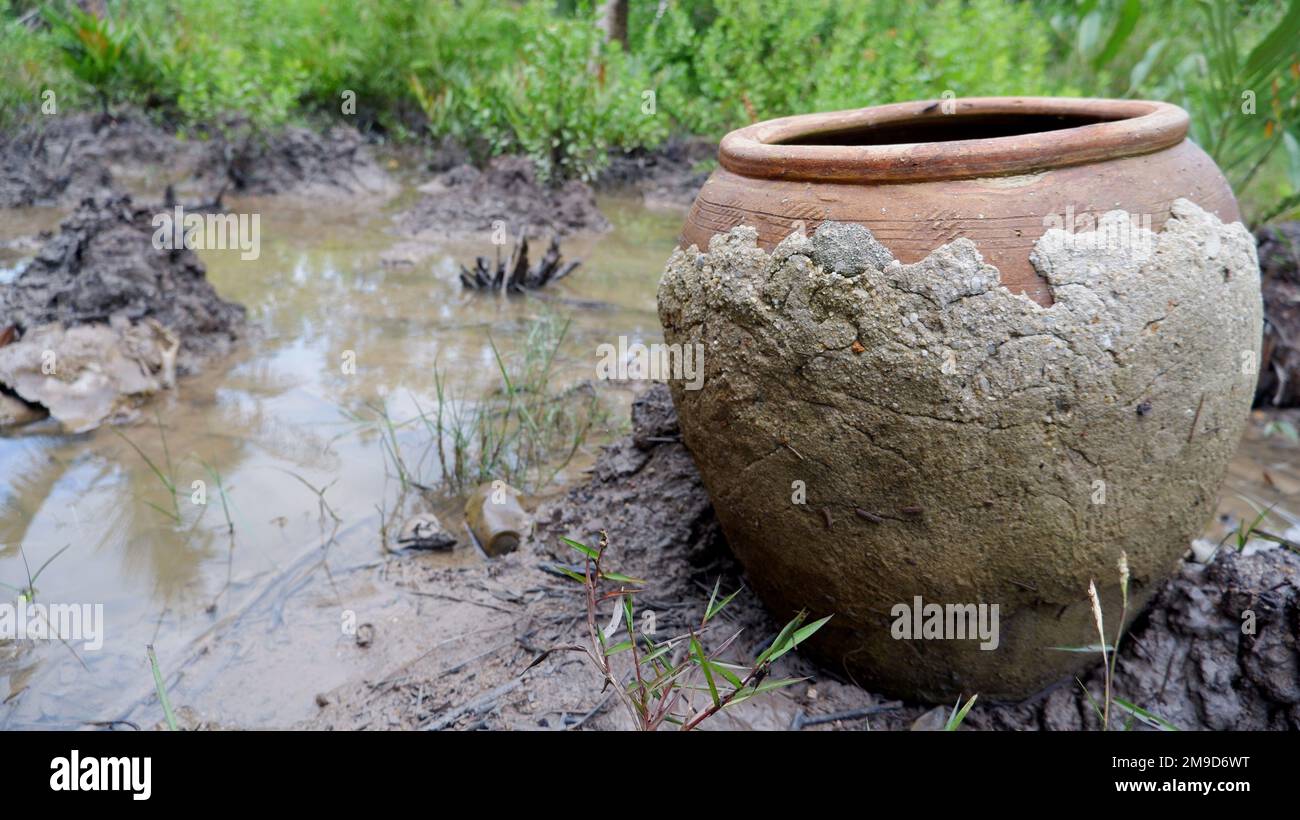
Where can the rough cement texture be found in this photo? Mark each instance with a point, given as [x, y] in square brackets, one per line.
[949, 435]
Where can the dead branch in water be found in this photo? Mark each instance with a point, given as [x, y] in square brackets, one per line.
[514, 275]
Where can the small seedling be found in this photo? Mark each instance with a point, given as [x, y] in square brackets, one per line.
[958, 714]
[161, 689]
[665, 677]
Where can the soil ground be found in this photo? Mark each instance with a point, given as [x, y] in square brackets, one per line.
[1188, 661]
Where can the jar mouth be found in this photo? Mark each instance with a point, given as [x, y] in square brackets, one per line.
[951, 139]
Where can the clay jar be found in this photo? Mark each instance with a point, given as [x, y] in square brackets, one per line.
[991, 169]
[946, 411]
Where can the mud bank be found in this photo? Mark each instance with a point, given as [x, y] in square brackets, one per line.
[64, 159]
[1279, 268]
[1187, 661]
[669, 176]
[60, 162]
[465, 201]
[296, 161]
[102, 264]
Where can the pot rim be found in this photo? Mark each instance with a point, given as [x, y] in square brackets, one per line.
[1131, 127]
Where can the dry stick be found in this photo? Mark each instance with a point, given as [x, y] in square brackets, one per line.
[801, 720]
[1192, 432]
[451, 716]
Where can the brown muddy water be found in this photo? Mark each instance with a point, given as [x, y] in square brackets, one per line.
[249, 626]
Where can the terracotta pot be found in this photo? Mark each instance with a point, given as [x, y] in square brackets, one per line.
[991, 170]
[880, 439]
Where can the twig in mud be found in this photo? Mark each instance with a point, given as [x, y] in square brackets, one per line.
[801, 720]
[595, 710]
[446, 597]
[515, 275]
[475, 705]
[320, 494]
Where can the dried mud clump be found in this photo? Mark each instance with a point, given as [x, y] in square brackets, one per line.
[102, 266]
[917, 430]
[466, 201]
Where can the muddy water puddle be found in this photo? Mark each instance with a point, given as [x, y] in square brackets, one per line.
[248, 625]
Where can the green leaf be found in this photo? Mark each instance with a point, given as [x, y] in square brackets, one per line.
[1146, 717]
[797, 637]
[715, 606]
[1089, 33]
[1100, 714]
[1143, 68]
[698, 652]
[621, 578]
[732, 677]
[622, 646]
[1128, 20]
[1292, 146]
[581, 547]
[781, 639]
[808, 631]
[627, 614]
[577, 576]
[766, 686]
[1276, 48]
[957, 716]
[656, 654]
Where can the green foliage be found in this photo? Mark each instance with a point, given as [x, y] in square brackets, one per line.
[675, 680]
[534, 76]
[96, 50]
[1235, 67]
[756, 61]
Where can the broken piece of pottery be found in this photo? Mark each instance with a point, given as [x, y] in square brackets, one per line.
[879, 435]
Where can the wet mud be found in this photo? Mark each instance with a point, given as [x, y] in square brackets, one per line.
[1187, 660]
[668, 176]
[60, 161]
[505, 199]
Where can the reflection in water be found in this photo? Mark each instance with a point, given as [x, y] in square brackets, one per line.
[273, 423]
